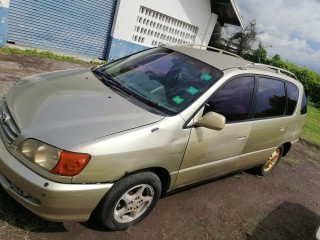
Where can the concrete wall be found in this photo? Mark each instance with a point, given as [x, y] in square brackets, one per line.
[137, 26]
[4, 11]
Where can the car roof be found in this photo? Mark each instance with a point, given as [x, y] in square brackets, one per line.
[223, 61]
[218, 60]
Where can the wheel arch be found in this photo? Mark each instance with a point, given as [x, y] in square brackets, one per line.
[165, 178]
[162, 174]
[286, 148]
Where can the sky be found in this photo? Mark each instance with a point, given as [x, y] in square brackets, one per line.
[290, 28]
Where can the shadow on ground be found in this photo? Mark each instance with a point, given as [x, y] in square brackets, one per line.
[13, 215]
[287, 221]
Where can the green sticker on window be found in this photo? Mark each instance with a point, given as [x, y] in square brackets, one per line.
[177, 99]
[192, 90]
[206, 77]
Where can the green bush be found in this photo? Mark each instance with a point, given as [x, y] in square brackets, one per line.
[309, 78]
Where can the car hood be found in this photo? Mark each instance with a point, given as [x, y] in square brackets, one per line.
[70, 107]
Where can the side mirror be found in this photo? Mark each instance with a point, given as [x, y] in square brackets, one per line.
[211, 120]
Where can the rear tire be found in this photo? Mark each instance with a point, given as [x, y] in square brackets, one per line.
[271, 162]
[129, 201]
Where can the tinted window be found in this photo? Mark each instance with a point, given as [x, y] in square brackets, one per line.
[293, 95]
[162, 78]
[271, 98]
[150, 63]
[304, 104]
[233, 100]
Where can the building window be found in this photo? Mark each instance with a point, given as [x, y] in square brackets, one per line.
[169, 29]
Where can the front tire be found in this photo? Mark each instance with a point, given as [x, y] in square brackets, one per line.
[129, 201]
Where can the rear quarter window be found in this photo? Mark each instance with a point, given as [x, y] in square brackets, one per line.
[303, 104]
[293, 95]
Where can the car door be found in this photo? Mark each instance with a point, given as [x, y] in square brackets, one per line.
[269, 121]
[211, 152]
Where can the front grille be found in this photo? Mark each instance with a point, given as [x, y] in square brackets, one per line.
[9, 128]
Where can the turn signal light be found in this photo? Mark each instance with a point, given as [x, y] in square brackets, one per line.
[70, 164]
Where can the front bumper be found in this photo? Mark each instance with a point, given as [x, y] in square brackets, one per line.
[50, 200]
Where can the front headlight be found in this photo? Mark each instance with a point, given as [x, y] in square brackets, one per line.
[53, 159]
[40, 153]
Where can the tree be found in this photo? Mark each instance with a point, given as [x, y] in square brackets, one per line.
[216, 37]
[276, 58]
[242, 41]
[260, 55]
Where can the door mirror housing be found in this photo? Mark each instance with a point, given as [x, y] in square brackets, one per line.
[211, 120]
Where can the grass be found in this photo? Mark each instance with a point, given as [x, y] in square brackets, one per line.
[44, 54]
[290, 161]
[311, 129]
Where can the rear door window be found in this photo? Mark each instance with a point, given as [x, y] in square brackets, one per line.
[270, 99]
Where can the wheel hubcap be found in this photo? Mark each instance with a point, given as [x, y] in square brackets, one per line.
[133, 203]
[271, 160]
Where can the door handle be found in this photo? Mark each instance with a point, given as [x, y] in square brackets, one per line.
[242, 137]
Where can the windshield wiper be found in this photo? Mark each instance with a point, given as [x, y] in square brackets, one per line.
[103, 75]
[107, 79]
[146, 100]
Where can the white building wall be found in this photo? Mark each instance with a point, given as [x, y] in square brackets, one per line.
[178, 22]
[4, 3]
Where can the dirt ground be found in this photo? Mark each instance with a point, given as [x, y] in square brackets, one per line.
[284, 205]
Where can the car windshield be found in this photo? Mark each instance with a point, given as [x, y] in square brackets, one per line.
[169, 80]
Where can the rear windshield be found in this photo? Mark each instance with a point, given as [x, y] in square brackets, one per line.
[169, 79]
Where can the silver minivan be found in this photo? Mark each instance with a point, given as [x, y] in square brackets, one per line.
[116, 137]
